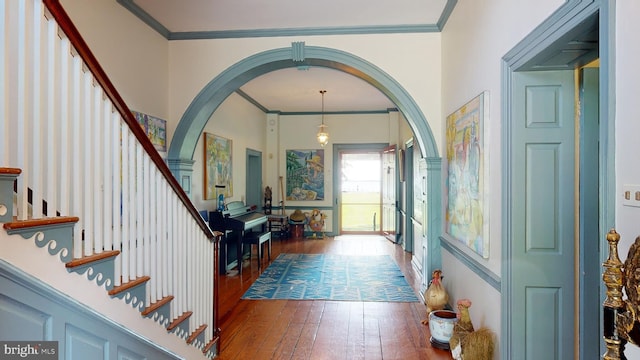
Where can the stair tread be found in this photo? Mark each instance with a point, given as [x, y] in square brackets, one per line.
[91, 258]
[23, 224]
[211, 344]
[196, 333]
[156, 305]
[10, 171]
[128, 285]
[179, 320]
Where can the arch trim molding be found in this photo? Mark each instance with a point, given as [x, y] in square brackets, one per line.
[202, 107]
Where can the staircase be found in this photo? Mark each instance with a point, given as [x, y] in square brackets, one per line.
[79, 178]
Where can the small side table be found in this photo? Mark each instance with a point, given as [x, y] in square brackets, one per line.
[277, 225]
[297, 230]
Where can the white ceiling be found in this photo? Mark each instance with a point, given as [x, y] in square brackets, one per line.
[293, 90]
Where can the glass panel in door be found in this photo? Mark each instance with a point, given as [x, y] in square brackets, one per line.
[360, 192]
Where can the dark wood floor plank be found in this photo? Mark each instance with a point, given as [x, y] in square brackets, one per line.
[289, 340]
[331, 336]
[275, 335]
[304, 347]
[355, 339]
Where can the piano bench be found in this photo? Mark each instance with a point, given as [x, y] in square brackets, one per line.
[258, 239]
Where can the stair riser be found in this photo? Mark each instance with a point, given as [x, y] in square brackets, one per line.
[58, 238]
[102, 271]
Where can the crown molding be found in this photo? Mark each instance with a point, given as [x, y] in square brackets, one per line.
[256, 33]
[313, 31]
[145, 17]
[283, 113]
[448, 9]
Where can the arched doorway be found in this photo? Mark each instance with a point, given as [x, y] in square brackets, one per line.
[202, 107]
[217, 90]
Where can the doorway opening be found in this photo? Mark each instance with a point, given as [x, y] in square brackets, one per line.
[254, 179]
[360, 195]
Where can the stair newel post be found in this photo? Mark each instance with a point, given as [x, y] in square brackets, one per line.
[613, 277]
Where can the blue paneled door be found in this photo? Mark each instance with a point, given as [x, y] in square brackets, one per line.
[543, 161]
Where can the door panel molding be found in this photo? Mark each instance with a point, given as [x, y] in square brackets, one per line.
[542, 195]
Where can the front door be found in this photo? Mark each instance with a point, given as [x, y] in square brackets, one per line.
[360, 191]
[542, 199]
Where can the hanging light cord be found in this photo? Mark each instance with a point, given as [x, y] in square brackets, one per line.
[322, 136]
[322, 92]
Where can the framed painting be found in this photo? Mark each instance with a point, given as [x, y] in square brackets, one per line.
[305, 175]
[156, 130]
[218, 177]
[467, 164]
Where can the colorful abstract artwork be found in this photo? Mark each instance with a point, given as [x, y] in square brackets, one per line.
[217, 166]
[156, 130]
[467, 213]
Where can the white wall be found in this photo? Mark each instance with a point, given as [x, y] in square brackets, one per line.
[404, 131]
[627, 124]
[476, 37]
[626, 78]
[134, 56]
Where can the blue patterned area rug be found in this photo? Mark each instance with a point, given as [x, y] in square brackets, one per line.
[332, 277]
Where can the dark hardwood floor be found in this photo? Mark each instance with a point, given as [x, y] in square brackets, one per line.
[286, 329]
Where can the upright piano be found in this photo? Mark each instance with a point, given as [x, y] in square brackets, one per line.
[235, 222]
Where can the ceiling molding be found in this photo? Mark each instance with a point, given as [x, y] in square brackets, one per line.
[284, 32]
[350, 112]
[284, 113]
[448, 9]
[343, 30]
[145, 17]
[252, 101]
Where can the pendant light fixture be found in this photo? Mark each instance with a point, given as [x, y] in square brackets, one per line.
[323, 135]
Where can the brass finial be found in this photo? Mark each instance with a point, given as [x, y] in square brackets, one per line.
[613, 275]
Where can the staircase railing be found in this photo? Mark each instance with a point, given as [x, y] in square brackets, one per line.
[83, 154]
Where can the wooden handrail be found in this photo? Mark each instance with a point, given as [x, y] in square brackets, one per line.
[67, 26]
